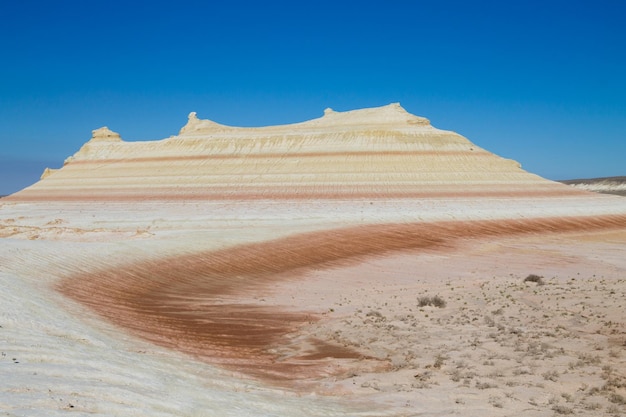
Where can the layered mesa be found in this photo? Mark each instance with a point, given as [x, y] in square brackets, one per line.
[383, 153]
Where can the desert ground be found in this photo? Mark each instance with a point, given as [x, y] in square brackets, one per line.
[247, 272]
[441, 325]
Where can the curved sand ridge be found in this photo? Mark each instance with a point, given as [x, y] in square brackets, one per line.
[193, 303]
[291, 257]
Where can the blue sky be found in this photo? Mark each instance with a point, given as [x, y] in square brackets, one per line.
[541, 82]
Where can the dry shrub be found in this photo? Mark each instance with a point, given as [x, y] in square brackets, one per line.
[551, 376]
[561, 409]
[534, 278]
[485, 385]
[435, 301]
[617, 399]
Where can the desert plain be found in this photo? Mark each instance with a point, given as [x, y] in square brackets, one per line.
[363, 263]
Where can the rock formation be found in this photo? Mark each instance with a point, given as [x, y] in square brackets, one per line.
[383, 152]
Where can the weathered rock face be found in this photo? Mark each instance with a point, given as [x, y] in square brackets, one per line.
[380, 152]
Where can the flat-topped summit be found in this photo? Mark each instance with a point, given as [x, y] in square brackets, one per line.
[391, 115]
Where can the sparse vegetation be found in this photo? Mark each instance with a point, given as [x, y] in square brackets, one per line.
[435, 301]
[506, 340]
[561, 409]
[485, 385]
[551, 376]
[537, 279]
[496, 401]
[439, 361]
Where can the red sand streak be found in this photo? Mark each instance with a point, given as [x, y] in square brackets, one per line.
[189, 303]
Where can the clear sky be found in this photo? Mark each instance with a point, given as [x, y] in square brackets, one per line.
[541, 82]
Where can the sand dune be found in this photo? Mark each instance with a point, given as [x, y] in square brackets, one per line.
[362, 263]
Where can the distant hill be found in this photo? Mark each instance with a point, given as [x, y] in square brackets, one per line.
[606, 185]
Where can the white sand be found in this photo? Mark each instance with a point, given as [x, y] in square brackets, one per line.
[499, 347]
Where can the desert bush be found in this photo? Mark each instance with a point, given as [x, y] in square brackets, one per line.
[496, 401]
[376, 316]
[551, 376]
[439, 361]
[485, 385]
[421, 380]
[587, 359]
[456, 375]
[534, 278]
[561, 409]
[489, 321]
[374, 313]
[592, 406]
[435, 301]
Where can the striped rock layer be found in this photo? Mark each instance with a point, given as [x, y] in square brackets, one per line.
[380, 152]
